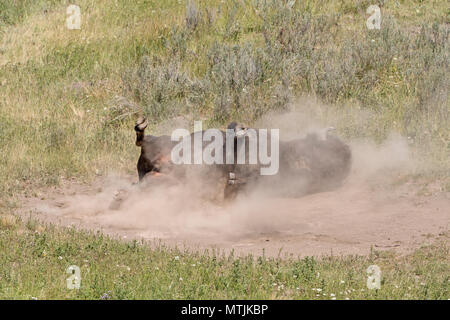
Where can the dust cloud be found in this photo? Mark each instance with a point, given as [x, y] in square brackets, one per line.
[182, 211]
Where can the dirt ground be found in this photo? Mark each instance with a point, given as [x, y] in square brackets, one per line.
[380, 206]
[351, 220]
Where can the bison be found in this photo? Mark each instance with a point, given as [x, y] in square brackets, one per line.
[316, 163]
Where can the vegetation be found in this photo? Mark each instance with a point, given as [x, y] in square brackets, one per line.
[69, 99]
[34, 259]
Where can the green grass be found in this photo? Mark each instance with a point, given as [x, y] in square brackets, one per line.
[34, 259]
[237, 62]
[60, 118]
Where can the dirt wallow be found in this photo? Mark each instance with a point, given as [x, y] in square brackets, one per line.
[310, 207]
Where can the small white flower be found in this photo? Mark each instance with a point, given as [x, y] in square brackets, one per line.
[59, 258]
[332, 295]
[181, 279]
[177, 258]
[334, 298]
[342, 282]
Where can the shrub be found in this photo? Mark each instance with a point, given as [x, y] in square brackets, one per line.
[399, 73]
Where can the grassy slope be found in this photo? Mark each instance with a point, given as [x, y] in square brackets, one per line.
[58, 88]
[33, 260]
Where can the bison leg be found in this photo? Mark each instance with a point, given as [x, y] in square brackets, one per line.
[143, 167]
[233, 186]
[140, 126]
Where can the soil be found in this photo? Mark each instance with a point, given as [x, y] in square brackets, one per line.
[354, 219]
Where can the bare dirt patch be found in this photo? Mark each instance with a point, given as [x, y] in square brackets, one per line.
[351, 220]
[372, 210]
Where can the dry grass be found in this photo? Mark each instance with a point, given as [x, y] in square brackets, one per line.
[231, 60]
[34, 258]
[219, 60]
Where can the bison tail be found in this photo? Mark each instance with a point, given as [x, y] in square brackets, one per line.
[140, 126]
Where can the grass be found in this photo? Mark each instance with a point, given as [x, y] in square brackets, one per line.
[217, 61]
[34, 259]
[63, 114]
